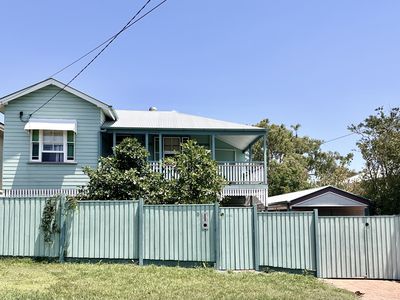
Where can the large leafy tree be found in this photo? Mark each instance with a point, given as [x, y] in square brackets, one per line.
[379, 144]
[127, 175]
[298, 162]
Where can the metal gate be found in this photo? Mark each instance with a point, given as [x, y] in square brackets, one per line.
[236, 238]
[359, 247]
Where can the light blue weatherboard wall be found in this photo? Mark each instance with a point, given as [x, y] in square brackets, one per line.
[18, 173]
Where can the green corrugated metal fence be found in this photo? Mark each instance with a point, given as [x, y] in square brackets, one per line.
[20, 233]
[232, 238]
[103, 230]
[360, 247]
[383, 252]
[236, 239]
[176, 232]
[287, 240]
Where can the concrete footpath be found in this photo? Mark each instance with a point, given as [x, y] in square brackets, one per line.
[369, 289]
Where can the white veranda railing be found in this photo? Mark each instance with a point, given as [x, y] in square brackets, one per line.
[233, 172]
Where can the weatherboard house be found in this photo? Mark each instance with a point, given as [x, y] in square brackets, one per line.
[47, 150]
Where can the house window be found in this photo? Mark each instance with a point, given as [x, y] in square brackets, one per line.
[52, 146]
[35, 145]
[171, 146]
[70, 146]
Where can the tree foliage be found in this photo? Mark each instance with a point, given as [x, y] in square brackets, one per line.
[199, 181]
[379, 144]
[298, 162]
[127, 175]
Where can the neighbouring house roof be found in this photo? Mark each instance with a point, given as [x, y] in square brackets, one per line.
[172, 120]
[107, 109]
[300, 198]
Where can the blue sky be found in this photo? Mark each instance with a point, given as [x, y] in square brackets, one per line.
[323, 64]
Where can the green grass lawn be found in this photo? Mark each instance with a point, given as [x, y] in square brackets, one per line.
[26, 279]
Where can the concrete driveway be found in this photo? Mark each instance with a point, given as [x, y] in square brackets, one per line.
[371, 289]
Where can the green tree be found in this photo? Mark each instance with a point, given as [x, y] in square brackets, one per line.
[199, 181]
[126, 175]
[379, 144]
[298, 162]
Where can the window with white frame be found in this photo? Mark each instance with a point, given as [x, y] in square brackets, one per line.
[53, 146]
[171, 145]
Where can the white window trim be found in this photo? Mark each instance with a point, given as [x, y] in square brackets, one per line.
[156, 154]
[65, 149]
[169, 152]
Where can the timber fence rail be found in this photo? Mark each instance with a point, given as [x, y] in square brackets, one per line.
[229, 238]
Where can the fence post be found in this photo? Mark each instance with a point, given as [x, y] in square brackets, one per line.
[255, 239]
[216, 236]
[316, 243]
[141, 231]
[62, 229]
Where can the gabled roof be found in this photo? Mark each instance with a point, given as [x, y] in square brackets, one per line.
[107, 109]
[300, 196]
[173, 120]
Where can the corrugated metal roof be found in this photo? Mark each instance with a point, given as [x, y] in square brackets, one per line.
[289, 197]
[171, 120]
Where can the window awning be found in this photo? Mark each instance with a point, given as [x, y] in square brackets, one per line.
[51, 124]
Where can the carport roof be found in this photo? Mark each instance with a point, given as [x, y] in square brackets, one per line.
[303, 195]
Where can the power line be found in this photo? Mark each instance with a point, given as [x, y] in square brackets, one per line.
[97, 47]
[103, 43]
[92, 60]
[107, 43]
[338, 138]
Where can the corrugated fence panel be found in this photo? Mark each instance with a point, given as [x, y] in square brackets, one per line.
[342, 243]
[175, 232]
[287, 240]
[103, 230]
[20, 233]
[236, 239]
[383, 247]
[349, 247]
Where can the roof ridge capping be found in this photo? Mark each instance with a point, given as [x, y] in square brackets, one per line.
[107, 109]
